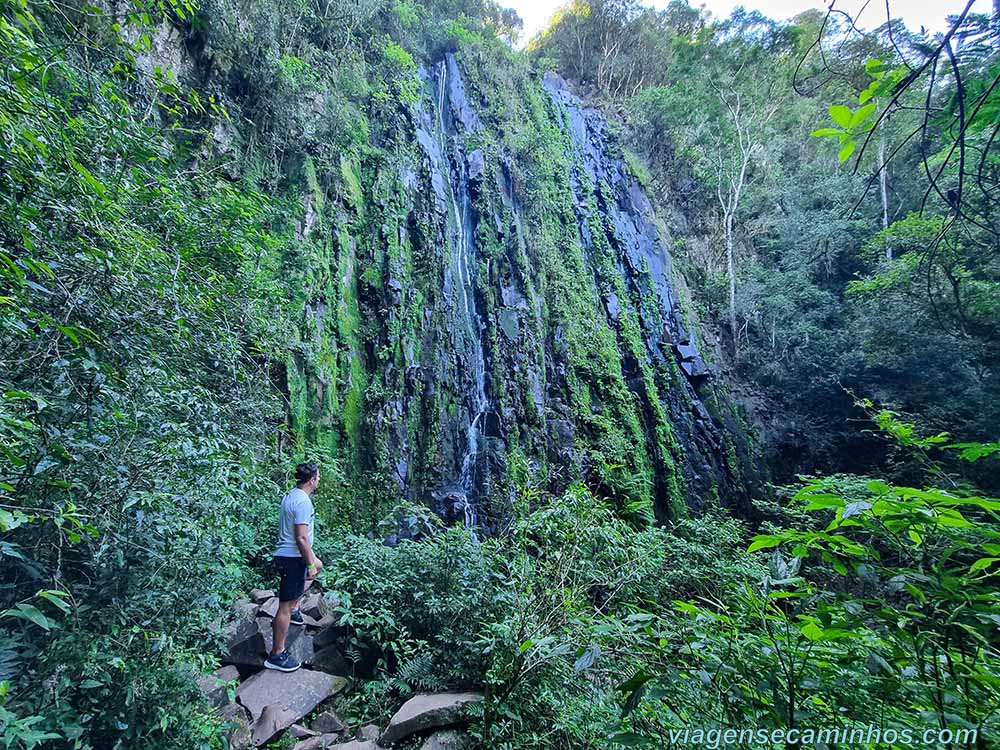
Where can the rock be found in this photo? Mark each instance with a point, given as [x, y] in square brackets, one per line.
[269, 607]
[316, 743]
[449, 739]
[426, 711]
[214, 685]
[299, 692]
[237, 732]
[314, 606]
[332, 661]
[509, 323]
[695, 369]
[612, 305]
[326, 636]
[300, 732]
[259, 596]
[477, 165]
[255, 638]
[327, 722]
[686, 350]
[368, 733]
[273, 720]
[326, 741]
[244, 609]
[321, 624]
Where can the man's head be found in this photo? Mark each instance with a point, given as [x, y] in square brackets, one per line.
[307, 476]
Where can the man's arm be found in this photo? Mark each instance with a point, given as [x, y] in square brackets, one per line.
[313, 564]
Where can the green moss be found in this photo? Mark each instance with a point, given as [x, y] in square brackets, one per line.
[353, 193]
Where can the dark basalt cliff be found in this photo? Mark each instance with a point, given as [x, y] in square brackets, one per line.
[484, 287]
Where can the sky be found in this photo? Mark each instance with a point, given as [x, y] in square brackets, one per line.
[915, 13]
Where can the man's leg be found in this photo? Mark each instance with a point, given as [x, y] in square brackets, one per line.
[279, 625]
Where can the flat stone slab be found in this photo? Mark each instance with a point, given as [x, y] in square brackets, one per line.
[299, 692]
[427, 711]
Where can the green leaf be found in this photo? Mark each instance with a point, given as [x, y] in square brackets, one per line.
[983, 563]
[56, 597]
[812, 631]
[826, 132]
[30, 613]
[862, 114]
[764, 541]
[91, 180]
[846, 150]
[841, 115]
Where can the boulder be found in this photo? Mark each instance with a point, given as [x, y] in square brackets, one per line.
[368, 733]
[214, 685]
[330, 660]
[273, 720]
[326, 636]
[448, 739]
[269, 607]
[297, 692]
[253, 642]
[300, 732]
[236, 726]
[244, 609]
[321, 624]
[427, 711]
[259, 596]
[315, 605]
[316, 743]
[327, 722]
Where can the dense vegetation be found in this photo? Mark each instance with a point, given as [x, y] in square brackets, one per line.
[206, 236]
[832, 280]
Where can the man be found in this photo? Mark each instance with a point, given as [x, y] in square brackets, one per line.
[295, 560]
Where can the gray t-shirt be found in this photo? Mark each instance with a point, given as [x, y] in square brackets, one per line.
[296, 507]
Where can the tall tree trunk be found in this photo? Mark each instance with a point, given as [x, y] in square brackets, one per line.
[731, 273]
[883, 179]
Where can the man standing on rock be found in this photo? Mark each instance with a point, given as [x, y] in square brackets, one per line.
[295, 560]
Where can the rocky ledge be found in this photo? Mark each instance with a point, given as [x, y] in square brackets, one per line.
[270, 704]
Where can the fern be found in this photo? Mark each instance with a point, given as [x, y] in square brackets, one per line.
[418, 673]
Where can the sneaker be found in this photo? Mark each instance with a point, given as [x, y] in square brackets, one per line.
[297, 617]
[283, 662]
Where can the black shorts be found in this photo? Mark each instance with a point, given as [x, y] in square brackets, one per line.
[293, 577]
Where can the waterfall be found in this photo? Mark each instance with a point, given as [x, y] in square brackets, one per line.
[439, 138]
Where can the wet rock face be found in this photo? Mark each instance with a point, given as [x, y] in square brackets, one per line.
[631, 239]
[447, 264]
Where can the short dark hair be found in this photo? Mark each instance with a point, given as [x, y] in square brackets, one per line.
[305, 471]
